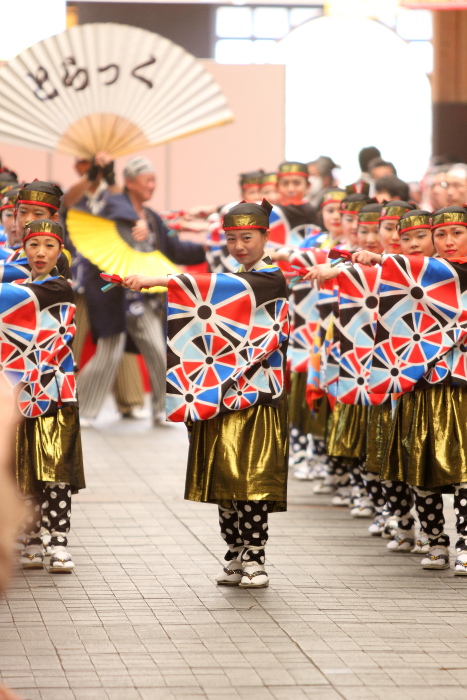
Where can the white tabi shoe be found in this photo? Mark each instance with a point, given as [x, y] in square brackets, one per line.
[390, 529]
[303, 472]
[363, 510]
[402, 542]
[231, 574]
[436, 558]
[60, 561]
[319, 469]
[326, 486]
[254, 576]
[422, 544]
[296, 459]
[46, 537]
[32, 557]
[460, 565]
[342, 497]
[377, 526]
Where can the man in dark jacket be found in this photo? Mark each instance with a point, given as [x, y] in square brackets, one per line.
[121, 313]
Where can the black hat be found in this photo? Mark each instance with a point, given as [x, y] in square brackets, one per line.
[248, 215]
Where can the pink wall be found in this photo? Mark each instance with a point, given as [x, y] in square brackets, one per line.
[203, 168]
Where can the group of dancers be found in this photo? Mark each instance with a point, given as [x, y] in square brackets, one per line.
[376, 354]
[328, 317]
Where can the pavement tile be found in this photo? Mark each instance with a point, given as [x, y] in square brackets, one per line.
[342, 618]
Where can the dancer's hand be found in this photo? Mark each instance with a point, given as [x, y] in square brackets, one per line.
[139, 282]
[278, 254]
[364, 257]
[322, 273]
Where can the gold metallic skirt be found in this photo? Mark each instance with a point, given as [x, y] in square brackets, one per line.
[346, 435]
[300, 414]
[428, 441]
[242, 456]
[378, 430]
[48, 448]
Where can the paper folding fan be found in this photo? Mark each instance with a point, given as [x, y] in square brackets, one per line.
[101, 242]
[106, 87]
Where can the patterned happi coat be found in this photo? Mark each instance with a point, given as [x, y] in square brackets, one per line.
[358, 304]
[36, 330]
[305, 310]
[421, 334]
[227, 342]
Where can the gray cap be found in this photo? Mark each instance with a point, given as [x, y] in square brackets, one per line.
[138, 166]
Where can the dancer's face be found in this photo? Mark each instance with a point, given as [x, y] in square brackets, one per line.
[42, 253]
[246, 245]
[450, 241]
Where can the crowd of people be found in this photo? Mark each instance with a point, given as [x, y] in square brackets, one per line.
[323, 316]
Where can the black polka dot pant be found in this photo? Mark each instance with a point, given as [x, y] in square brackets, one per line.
[56, 512]
[429, 507]
[52, 512]
[298, 441]
[374, 490]
[319, 446]
[430, 511]
[399, 501]
[245, 530]
[338, 467]
[355, 473]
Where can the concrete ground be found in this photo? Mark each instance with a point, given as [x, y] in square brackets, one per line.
[141, 618]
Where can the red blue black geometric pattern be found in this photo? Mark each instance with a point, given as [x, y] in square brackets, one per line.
[358, 313]
[421, 332]
[36, 330]
[227, 335]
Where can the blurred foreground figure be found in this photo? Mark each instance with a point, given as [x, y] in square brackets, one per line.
[10, 505]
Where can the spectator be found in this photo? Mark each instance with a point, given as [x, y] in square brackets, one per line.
[456, 185]
[436, 191]
[379, 168]
[391, 187]
[320, 177]
[366, 155]
[142, 316]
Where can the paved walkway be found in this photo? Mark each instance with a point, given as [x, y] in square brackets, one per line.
[141, 618]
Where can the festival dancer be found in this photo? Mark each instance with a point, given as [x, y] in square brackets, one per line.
[396, 496]
[428, 442]
[415, 239]
[301, 424]
[49, 463]
[238, 457]
[250, 184]
[350, 207]
[39, 200]
[293, 187]
[268, 188]
[346, 430]
[8, 199]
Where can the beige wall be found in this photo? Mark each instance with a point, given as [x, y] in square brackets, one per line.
[203, 168]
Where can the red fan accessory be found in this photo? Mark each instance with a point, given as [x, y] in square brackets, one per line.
[113, 281]
[338, 256]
